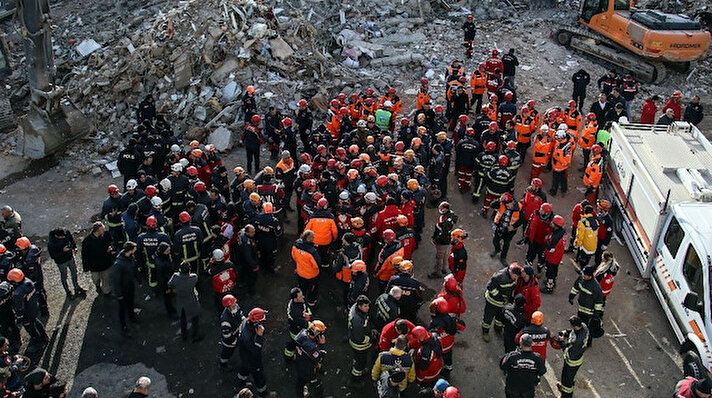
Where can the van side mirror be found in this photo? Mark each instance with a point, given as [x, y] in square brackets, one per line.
[692, 302]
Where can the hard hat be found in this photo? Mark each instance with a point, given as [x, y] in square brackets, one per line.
[413, 184]
[184, 217]
[302, 103]
[538, 318]
[112, 189]
[131, 184]
[177, 167]
[194, 144]
[344, 195]
[536, 182]
[175, 148]
[285, 154]
[558, 221]
[354, 96]
[525, 108]
[218, 255]
[358, 266]
[268, 170]
[503, 160]
[191, 171]
[397, 260]
[287, 121]
[165, 184]
[370, 197]
[423, 80]
[604, 205]
[458, 234]
[400, 145]
[469, 17]
[387, 104]
[441, 134]
[440, 305]
[369, 91]
[544, 128]
[419, 169]
[406, 266]
[197, 153]
[596, 149]
[250, 89]
[563, 127]
[317, 327]
[495, 52]
[493, 98]
[420, 334]
[485, 109]
[22, 243]
[156, 201]
[254, 196]
[353, 149]
[450, 284]
[343, 110]
[508, 96]
[3, 249]
[382, 181]
[321, 148]
[304, 169]
[268, 208]
[334, 103]
[439, 109]
[322, 203]
[572, 103]
[255, 119]
[490, 146]
[531, 104]
[15, 275]
[392, 90]
[511, 145]
[591, 116]
[257, 315]
[357, 222]
[560, 135]
[361, 124]
[357, 163]
[470, 131]
[317, 197]
[464, 118]
[546, 208]
[451, 392]
[249, 183]
[389, 235]
[151, 222]
[305, 158]
[506, 197]
[308, 185]
[493, 126]
[404, 121]
[352, 174]
[183, 163]
[402, 220]
[199, 186]
[361, 189]
[369, 102]
[677, 93]
[481, 65]
[228, 299]
[151, 191]
[341, 97]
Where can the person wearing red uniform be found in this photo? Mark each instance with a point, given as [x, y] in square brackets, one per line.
[606, 273]
[388, 217]
[675, 103]
[446, 326]
[528, 286]
[532, 200]
[554, 251]
[428, 357]
[452, 292]
[650, 108]
[406, 236]
[457, 260]
[538, 228]
[393, 329]
[540, 334]
[493, 63]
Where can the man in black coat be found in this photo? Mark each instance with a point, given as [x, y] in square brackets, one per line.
[61, 247]
[123, 285]
[601, 108]
[97, 257]
[694, 112]
[581, 80]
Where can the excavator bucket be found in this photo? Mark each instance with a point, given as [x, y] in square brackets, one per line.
[45, 134]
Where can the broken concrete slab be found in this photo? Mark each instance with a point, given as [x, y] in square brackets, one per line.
[398, 60]
[229, 65]
[87, 47]
[280, 49]
[222, 138]
[183, 71]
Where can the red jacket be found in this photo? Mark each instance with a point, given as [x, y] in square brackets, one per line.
[530, 203]
[389, 334]
[530, 291]
[456, 305]
[554, 251]
[428, 361]
[406, 209]
[537, 229]
[387, 218]
[647, 116]
[676, 108]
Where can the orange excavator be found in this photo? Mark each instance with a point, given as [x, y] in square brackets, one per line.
[640, 41]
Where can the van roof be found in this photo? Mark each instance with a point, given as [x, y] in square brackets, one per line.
[663, 150]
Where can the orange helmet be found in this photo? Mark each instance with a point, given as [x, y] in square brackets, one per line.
[358, 266]
[604, 205]
[250, 90]
[357, 222]
[413, 184]
[538, 318]
[268, 208]
[402, 220]
[406, 266]
[458, 234]
[3, 249]
[22, 243]
[15, 275]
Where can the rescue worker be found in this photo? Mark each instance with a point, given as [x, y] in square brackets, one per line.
[305, 121]
[497, 294]
[252, 139]
[457, 260]
[528, 286]
[298, 316]
[572, 116]
[523, 368]
[586, 241]
[350, 251]
[442, 239]
[538, 227]
[230, 321]
[388, 217]
[250, 342]
[324, 228]
[532, 200]
[581, 80]
[606, 273]
[524, 126]
[451, 291]
[359, 282]
[308, 262]
[28, 259]
[485, 160]
[587, 139]
[560, 162]
[428, 357]
[539, 333]
[466, 153]
[123, 286]
[405, 236]
[574, 342]
[179, 189]
[386, 261]
[436, 391]
[469, 31]
[423, 96]
[361, 332]
[387, 308]
[689, 387]
[505, 223]
[412, 290]
[541, 151]
[147, 247]
[111, 214]
[363, 238]
[268, 230]
[223, 275]
[498, 179]
[395, 357]
[310, 343]
[184, 284]
[478, 84]
[285, 176]
[590, 298]
[554, 251]
[8, 321]
[605, 229]
[445, 326]
[187, 242]
[25, 304]
[514, 320]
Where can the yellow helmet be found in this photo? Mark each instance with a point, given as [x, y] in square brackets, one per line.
[413, 184]
[268, 170]
[254, 197]
[406, 266]
[317, 327]
[397, 260]
[249, 184]
[458, 234]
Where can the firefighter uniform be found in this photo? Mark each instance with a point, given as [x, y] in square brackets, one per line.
[412, 296]
[186, 245]
[360, 328]
[523, 370]
[457, 261]
[504, 219]
[146, 247]
[574, 348]
[298, 316]
[8, 323]
[26, 305]
[111, 214]
[465, 157]
[499, 179]
[498, 293]
[590, 298]
[310, 355]
[250, 348]
[229, 328]
[268, 230]
[485, 161]
[391, 359]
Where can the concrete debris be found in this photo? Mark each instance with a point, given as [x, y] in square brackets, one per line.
[222, 138]
[87, 47]
[280, 49]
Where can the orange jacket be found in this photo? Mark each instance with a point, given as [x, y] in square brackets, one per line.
[493, 111]
[540, 151]
[305, 256]
[385, 268]
[397, 104]
[561, 157]
[572, 118]
[324, 227]
[524, 128]
[422, 98]
[588, 135]
[594, 172]
[478, 82]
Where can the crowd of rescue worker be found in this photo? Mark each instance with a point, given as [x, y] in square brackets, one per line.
[361, 180]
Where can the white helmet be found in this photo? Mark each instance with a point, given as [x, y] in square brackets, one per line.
[563, 127]
[344, 195]
[387, 104]
[131, 184]
[371, 197]
[175, 148]
[177, 167]
[218, 255]
[560, 134]
[156, 201]
[362, 124]
[305, 168]
[361, 189]
[165, 184]
[184, 162]
[544, 128]
[623, 120]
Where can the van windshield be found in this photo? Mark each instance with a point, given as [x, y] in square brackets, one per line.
[694, 273]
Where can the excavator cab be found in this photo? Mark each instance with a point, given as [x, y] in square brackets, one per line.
[589, 8]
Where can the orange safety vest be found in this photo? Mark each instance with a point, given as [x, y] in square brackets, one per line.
[592, 175]
[387, 270]
[478, 82]
[334, 126]
[561, 158]
[344, 274]
[540, 152]
[588, 135]
[325, 231]
[523, 127]
[307, 267]
[493, 112]
[503, 208]
[573, 118]
[422, 98]
[355, 110]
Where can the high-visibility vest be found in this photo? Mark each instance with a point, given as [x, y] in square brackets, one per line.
[588, 135]
[561, 158]
[592, 175]
[478, 82]
[540, 152]
[523, 127]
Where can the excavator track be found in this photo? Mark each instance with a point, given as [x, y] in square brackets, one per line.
[600, 47]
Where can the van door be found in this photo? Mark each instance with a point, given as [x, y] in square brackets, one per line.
[696, 280]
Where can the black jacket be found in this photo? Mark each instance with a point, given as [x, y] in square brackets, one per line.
[123, 276]
[581, 80]
[55, 247]
[523, 369]
[95, 255]
[693, 114]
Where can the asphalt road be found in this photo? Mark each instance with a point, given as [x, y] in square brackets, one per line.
[636, 358]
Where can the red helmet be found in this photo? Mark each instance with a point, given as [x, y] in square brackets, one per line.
[389, 235]
[317, 197]
[470, 131]
[440, 305]
[546, 208]
[22, 243]
[506, 197]
[463, 118]
[400, 145]
[191, 171]
[511, 145]
[340, 151]
[596, 149]
[423, 81]
[356, 164]
[490, 146]
[369, 91]
[481, 65]
[372, 173]
[309, 185]
[257, 315]
[485, 109]
[302, 103]
[495, 52]
[392, 90]
[493, 126]
[404, 121]
[469, 18]
[508, 96]
[368, 101]
[322, 203]
[340, 166]
[354, 96]
[450, 284]
[451, 392]
[344, 110]
[536, 182]
[287, 121]
[439, 109]
[591, 116]
[494, 98]
[151, 222]
[151, 191]
[334, 103]
[503, 160]
[228, 300]
[382, 181]
[321, 149]
[331, 163]
[525, 108]
[558, 221]
[199, 187]
[113, 189]
[341, 97]
[571, 103]
[420, 334]
[677, 93]
[184, 217]
[306, 158]
[255, 119]
[531, 104]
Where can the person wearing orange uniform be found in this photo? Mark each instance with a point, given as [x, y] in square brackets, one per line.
[423, 96]
[588, 137]
[524, 126]
[397, 106]
[323, 225]
[307, 261]
[478, 85]
[385, 264]
[594, 172]
[540, 152]
[572, 116]
[560, 162]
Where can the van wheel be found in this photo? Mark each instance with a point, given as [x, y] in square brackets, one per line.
[692, 363]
